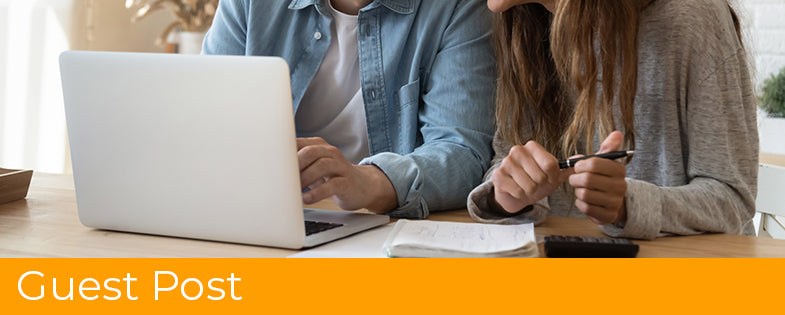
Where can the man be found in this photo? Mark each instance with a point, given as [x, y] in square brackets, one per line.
[393, 99]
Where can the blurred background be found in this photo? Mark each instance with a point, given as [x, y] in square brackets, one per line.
[32, 35]
[34, 32]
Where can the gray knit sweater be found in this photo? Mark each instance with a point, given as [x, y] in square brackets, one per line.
[696, 160]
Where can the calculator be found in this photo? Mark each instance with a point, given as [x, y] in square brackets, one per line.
[559, 246]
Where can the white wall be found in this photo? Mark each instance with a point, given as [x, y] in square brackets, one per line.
[32, 35]
[106, 25]
[32, 127]
[765, 21]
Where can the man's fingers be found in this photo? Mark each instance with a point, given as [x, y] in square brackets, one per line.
[310, 154]
[316, 183]
[304, 142]
[321, 169]
[328, 189]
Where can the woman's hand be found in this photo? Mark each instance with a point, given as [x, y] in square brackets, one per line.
[528, 173]
[327, 173]
[600, 186]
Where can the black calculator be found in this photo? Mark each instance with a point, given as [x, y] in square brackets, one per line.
[559, 246]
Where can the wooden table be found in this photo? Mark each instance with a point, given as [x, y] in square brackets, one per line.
[46, 224]
[776, 159]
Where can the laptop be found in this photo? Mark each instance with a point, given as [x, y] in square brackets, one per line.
[191, 146]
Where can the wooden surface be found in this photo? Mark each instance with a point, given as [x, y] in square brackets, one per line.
[46, 224]
[775, 159]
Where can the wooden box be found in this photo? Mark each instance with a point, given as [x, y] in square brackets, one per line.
[14, 184]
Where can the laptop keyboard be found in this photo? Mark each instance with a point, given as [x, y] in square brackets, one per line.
[313, 227]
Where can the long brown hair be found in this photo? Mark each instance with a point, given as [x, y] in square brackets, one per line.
[550, 66]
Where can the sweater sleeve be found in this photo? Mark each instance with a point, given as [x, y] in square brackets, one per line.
[721, 164]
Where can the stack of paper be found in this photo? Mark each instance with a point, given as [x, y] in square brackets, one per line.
[458, 240]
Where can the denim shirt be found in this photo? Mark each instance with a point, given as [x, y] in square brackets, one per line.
[428, 80]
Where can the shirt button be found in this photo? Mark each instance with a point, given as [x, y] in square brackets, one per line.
[317, 35]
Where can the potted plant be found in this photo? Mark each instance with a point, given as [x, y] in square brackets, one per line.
[771, 126]
[192, 20]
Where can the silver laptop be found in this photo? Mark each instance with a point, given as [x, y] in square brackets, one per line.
[191, 146]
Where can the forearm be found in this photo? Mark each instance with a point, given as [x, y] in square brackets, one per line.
[379, 191]
[704, 205]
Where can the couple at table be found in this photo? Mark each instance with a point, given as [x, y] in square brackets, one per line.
[406, 107]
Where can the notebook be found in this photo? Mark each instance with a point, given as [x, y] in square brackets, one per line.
[460, 240]
[191, 146]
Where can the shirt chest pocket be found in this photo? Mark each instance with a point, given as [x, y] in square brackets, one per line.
[409, 100]
[409, 94]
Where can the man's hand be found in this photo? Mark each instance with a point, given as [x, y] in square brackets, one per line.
[327, 173]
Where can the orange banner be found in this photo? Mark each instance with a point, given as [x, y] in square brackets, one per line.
[392, 286]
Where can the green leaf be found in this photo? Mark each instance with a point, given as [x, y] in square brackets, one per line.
[772, 99]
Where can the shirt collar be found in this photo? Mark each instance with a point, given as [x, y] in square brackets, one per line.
[398, 6]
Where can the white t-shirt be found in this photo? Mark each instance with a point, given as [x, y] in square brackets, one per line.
[332, 107]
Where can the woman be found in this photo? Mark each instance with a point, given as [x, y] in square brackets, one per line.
[670, 76]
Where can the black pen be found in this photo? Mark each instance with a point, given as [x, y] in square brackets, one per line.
[610, 156]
